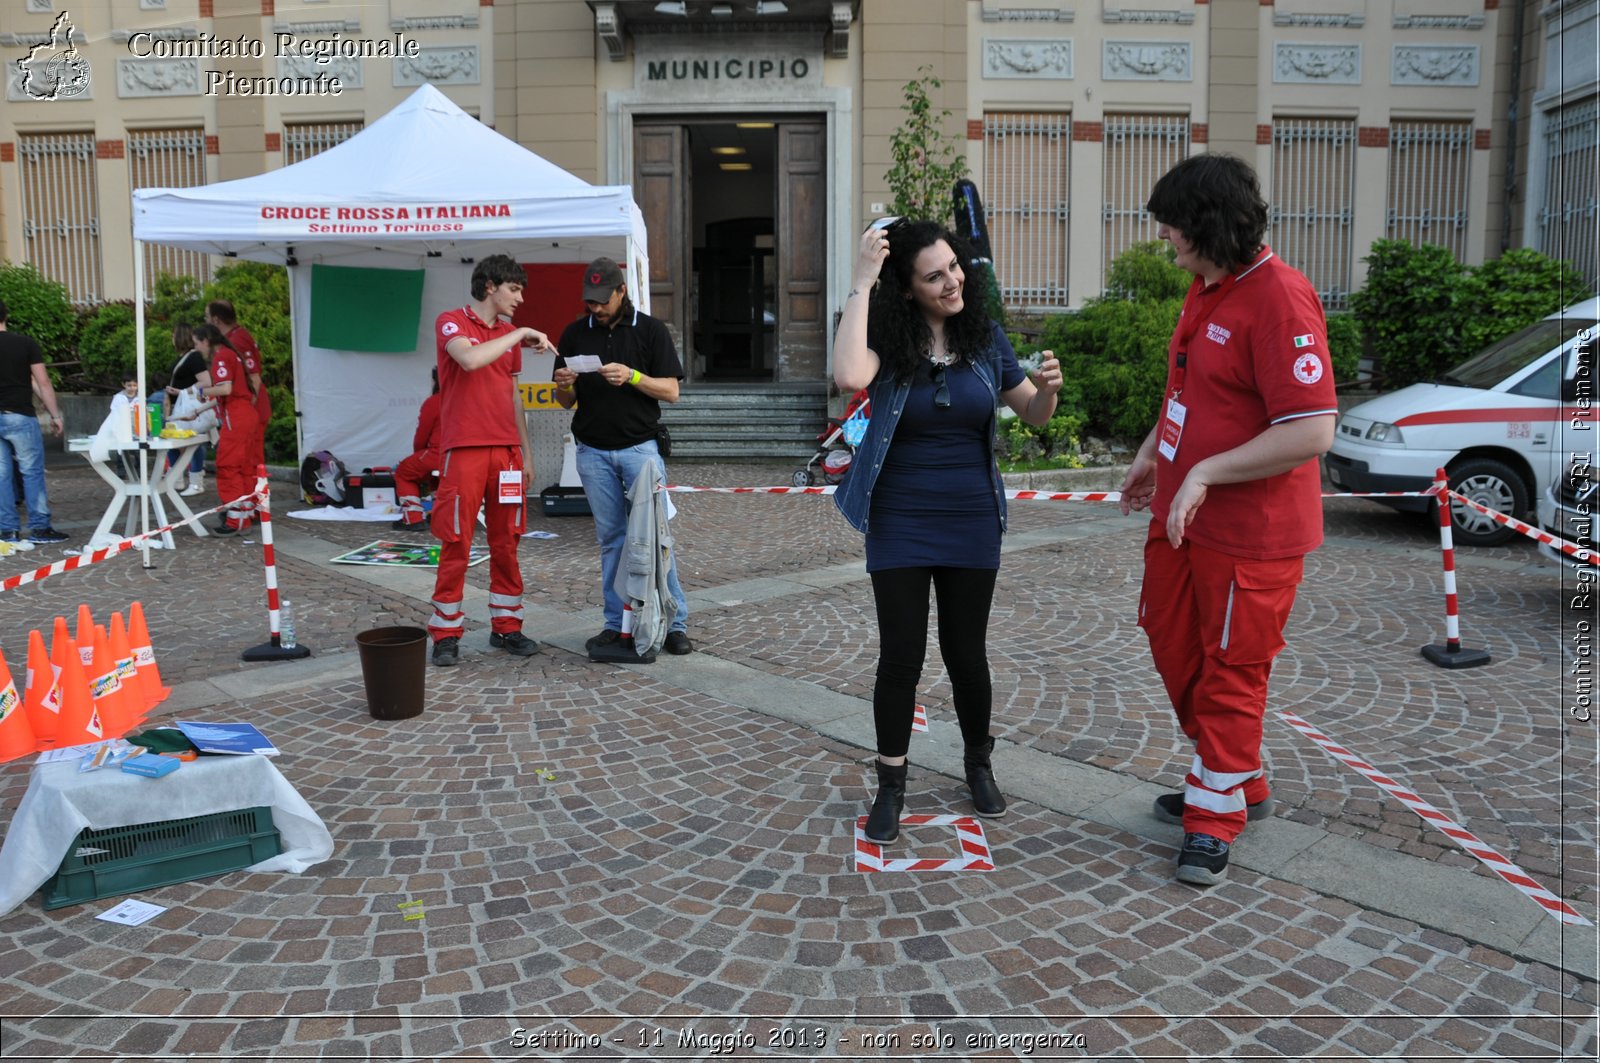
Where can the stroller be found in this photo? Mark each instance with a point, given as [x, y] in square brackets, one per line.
[836, 444]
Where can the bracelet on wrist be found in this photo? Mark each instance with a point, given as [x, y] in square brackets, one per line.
[637, 376]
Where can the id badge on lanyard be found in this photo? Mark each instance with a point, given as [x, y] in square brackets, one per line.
[511, 486]
[1172, 428]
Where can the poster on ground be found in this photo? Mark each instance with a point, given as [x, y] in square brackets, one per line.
[405, 555]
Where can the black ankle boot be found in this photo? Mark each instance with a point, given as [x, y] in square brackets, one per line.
[883, 822]
[986, 798]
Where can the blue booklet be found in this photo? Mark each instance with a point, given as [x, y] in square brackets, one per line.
[237, 738]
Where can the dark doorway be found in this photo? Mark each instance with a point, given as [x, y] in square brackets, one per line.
[734, 220]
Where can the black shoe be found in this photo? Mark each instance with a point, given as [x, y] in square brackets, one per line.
[224, 529]
[619, 651]
[513, 642]
[11, 535]
[883, 822]
[987, 800]
[447, 652]
[47, 536]
[1169, 809]
[678, 643]
[605, 638]
[1203, 860]
[404, 525]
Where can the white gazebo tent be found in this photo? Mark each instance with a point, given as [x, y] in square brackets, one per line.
[427, 186]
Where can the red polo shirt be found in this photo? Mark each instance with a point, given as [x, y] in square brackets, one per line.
[475, 407]
[1257, 355]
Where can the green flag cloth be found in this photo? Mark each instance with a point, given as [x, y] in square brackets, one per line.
[363, 309]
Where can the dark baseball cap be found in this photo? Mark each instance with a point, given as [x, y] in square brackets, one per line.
[600, 279]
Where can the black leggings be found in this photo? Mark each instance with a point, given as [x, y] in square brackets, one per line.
[902, 596]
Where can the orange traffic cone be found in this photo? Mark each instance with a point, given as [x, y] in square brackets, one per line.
[80, 723]
[126, 670]
[114, 699]
[144, 656]
[42, 699]
[85, 637]
[16, 737]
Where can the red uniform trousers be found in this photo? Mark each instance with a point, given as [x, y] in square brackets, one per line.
[471, 477]
[238, 457]
[1215, 622]
[409, 477]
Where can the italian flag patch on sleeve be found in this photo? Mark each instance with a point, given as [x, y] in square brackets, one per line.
[1303, 341]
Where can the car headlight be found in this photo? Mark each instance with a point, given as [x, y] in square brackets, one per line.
[1379, 432]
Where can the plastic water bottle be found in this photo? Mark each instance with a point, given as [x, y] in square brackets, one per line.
[286, 624]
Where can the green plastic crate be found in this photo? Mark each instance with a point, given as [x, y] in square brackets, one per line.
[117, 860]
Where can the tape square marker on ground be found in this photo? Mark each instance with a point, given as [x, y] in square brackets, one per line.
[974, 856]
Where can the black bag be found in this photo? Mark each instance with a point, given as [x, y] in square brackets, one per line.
[663, 441]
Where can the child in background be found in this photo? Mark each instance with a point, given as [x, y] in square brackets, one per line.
[124, 404]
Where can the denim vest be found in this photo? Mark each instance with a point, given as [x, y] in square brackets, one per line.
[854, 494]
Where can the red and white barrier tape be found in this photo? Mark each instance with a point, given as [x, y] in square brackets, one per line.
[974, 856]
[93, 557]
[1019, 495]
[1513, 874]
[1578, 553]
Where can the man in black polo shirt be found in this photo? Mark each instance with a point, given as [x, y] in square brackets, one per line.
[618, 413]
[22, 373]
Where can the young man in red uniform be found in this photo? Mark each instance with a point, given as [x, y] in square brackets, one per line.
[487, 457]
[418, 467]
[220, 313]
[1230, 476]
[238, 433]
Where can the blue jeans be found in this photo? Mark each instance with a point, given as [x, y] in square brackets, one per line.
[607, 476]
[20, 436]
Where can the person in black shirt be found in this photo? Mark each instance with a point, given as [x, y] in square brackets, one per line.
[618, 414]
[22, 373]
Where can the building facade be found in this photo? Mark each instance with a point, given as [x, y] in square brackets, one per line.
[756, 133]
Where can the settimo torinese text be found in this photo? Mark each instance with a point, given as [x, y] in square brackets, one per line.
[320, 51]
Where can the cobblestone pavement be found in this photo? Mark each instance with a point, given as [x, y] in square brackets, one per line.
[638, 863]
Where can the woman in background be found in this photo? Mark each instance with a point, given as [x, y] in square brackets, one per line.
[225, 385]
[190, 364]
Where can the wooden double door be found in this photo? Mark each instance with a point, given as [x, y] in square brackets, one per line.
[787, 332]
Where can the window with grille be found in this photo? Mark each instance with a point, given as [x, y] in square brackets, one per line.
[1313, 196]
[169, 158]
[1025, 164]
[306, 139]
[1569, 220]
[61, 210]
[1428, 167]
[1139, 148]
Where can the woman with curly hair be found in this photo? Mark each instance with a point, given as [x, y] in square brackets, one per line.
[924, 487]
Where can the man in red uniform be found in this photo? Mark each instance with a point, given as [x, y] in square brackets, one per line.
[1230, 476]
[238, 435]
[487, 457]
[419, 467]
[220, 313]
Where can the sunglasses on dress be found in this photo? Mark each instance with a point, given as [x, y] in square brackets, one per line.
[941, 388]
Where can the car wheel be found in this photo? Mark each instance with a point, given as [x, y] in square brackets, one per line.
[1490, 483]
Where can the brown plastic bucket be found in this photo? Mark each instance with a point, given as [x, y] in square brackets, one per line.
[393, 663]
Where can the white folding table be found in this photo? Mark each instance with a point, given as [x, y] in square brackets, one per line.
[163, 484]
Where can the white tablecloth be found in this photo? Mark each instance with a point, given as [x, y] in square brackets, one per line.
[61, 801]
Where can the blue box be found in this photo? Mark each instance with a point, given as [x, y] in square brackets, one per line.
[151, 765]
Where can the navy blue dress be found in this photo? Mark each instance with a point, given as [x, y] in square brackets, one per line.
[933, 504]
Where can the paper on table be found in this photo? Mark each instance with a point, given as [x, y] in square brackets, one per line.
[131, 913]
[50, 756]
[583, 363]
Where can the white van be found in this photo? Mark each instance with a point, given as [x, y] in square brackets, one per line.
[1500, 424]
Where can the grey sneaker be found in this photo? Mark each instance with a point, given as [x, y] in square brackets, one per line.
[1203, 860]
[447, 653]
[513, 642]
[46, 536]
[1169, 809]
